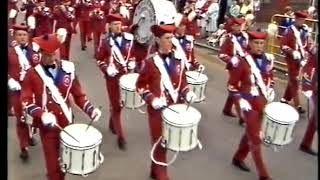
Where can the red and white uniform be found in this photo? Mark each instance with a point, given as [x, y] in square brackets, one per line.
[20, 60]
[98, 21]
[244, 87]
[113, 68]
[290, 47]
[84, 8]
[64, 16]
[310, 83]
[43, 21]
[39, 100]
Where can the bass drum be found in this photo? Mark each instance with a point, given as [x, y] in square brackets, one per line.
[149, 13]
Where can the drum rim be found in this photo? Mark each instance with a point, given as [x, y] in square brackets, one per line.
[179, 125]
[280, 122]
[82, 147]
[128, 75]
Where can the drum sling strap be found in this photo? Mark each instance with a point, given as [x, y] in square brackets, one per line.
[255, 71]
[298, 41]
[117, 55]
[48, 82]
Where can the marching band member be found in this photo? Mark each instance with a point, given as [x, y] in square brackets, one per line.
[64, 15]
[13, 12]
[293, 45]
[193, 15]
[228, 50]
[43, 19]
[187, 44]
[162, 82]
[250, 84]
[98, 21]
[45, 93]
[21, 57]
[309, 89]
[114, 58]
[85, 7]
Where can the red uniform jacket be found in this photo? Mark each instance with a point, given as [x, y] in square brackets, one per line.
[227, 50]
[289, 44]
[13, 12]
[33, 86]
[15, 70]
[104, 57]
[84, 11]
[97, 20]
[310, 72]
[241, 82]
[64, 18]
[149, 84]
[187, 43]
[43, 16]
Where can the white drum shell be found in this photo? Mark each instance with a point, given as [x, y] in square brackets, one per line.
[179, 137]
[277, 131]
[198, 86]
[129, 96]
[80, 160]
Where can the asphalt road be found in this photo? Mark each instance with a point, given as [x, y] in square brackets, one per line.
[219, 135]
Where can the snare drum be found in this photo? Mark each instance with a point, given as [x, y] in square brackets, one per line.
[180, 130]
[278, 123]
[129, 96]
[84, 157]
[197, 83]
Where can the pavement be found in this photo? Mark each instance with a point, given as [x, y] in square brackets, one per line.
[220, 135]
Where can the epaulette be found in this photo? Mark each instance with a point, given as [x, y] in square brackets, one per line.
[67, 66]
[189, 38]
[128, 36]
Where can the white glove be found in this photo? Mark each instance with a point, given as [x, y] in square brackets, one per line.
[48, 119]
[14, 85]
[308, 93]
[158, 103]
[244, 105]
[303, 63]
[112, 71]
[296, 55]
[11, 31]
[234, 61]
[190, 97]
[201, 68]
[131, 65]
[95, 115]
[270, 94]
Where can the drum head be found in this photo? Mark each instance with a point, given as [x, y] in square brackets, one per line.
[281, 113]
[88, 138]
[194, 77]
[151, 12]
[183, 118]
[128, 81]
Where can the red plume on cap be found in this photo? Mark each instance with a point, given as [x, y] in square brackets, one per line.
[159, 30]
[301, 14]
[21, 27]
[114, 17]
[257, 35]
[48, 43]
[237, 21]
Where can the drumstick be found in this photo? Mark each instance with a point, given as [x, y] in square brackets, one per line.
[172, 109]
[190, 77]
[66, 132]
[90, 123]
[189, 104]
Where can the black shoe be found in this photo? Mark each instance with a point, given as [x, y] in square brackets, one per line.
[230, 114]
[24, 155]
[83, 48]
[32, 141]
[308, 150]
[265, 178]
[283, 100]
[301, 110]
[241, 122]
[240, 165]
[122, 144]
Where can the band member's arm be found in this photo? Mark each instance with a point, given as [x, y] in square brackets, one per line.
[80, 97]
[27, 97]
[225, 53]
[235, 75]
[103, 56]
[143, 82]
[13, 66]
[184, 87]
